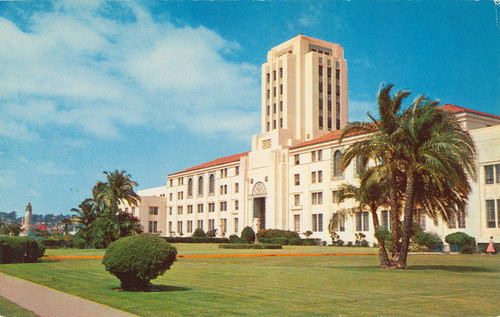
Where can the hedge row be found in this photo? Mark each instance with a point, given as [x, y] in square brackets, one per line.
[195, 240]
[20, 250]
[250, 246]
[293, 241]
[63, 243]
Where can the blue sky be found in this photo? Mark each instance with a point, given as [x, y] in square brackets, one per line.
[155, 88]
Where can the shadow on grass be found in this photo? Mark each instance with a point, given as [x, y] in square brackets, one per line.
[157, 288]
[450, 268]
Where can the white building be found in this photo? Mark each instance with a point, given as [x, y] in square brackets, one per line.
[290, 177]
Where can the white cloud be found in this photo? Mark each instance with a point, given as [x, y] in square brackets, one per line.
[358, 110]
[50, 168]
[76, 68]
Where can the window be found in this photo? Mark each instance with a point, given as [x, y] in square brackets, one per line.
[274, 74]
[274, 91]
[362, 221]
[200, 186]
[317, 222]
[223, 206]
[296, 199]
[200, 208]
[170, 210]
[133, 210]
[461, 219]
[335, 196]
[211, 207]
[236, 205]
[170, 183]
[296, 223]
[320, 176]
[236, 188]
[179, 210]
[179, 226]
[320, 60]
[385, 220]
[268, 94]
[267, 126]
[190, 209]
[281, 89]
[297, 179]
[237, 171]
[171, 196]
[180, 195]
[337, 72]
[235, 222]
[320, 155]
[190, 187]
[189, 226]
[223, 173]
[211, 184]
[452, 221]
[488, 174]
[281, 72]
[497, 168]
[199, 224]
[180, 181]
[153, 227]
[421, 219]
[340, 221]
[211, 224]
[297, 159]
[153, 210]
[336, 164]
[274, 107]
[317, 198]
[329, 71]
[360, 167]
[223, 189]
[313, 156]
[320, 70]
[313, 177]
[490, 213]
[170, 227]
[268, 77]
[281, 105]
[223, 225]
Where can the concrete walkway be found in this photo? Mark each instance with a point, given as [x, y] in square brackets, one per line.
[45, 301]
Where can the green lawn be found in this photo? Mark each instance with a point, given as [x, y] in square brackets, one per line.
[9, 309]
[444, 285]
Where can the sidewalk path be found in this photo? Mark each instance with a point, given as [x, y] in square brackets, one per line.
[45, 301]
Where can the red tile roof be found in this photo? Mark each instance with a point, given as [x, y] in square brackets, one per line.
[219, 161]
[457, 109]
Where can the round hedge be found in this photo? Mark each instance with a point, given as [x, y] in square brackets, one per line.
[248, 234]
[137, 260]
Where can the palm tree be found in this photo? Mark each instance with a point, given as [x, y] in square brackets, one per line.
[372, 193]
[438, 158]
[119, 188]
[381, 147]
[66, 222]
[86, 216]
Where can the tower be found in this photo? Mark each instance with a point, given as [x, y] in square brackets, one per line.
[304, 92]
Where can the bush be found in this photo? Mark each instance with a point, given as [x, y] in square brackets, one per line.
[281, 241]
[276, 233]
[250, 246]
[427, 239]
[20, 250]
[233, 238]
[195, 240]
[340, 243]
[349, 244]
[462, 239]
[211, 233]
[136, 260]
[248, 234]
[309, 242]
[199, 233]
[364, 243]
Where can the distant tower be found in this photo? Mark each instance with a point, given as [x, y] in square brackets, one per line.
[27, 226]
[304, 90]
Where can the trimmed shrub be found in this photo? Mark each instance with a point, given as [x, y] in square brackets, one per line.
[364, 243]
[233, 238]
[276, 233]
[250, 246]
[309, 242]
[195, 240]
[211, 233]
[427, 239]
[136, 260]
[466, 242]
[20, 250]
[281, 241]
[199, 233]
[248, 234]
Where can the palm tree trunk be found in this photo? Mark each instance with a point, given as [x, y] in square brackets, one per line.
[408, 220]
[382, 252]
[393, 197]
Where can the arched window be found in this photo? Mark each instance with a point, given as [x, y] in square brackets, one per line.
[200, 186]
[336, 164]
[211, 184]
[190, 187]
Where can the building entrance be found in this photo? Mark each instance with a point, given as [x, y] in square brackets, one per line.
[259, 211]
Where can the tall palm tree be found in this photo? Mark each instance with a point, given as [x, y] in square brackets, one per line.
[66, 222]
[372, 193]
[437, 154]
[86, 215]
[381, 147]
[119, 188]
